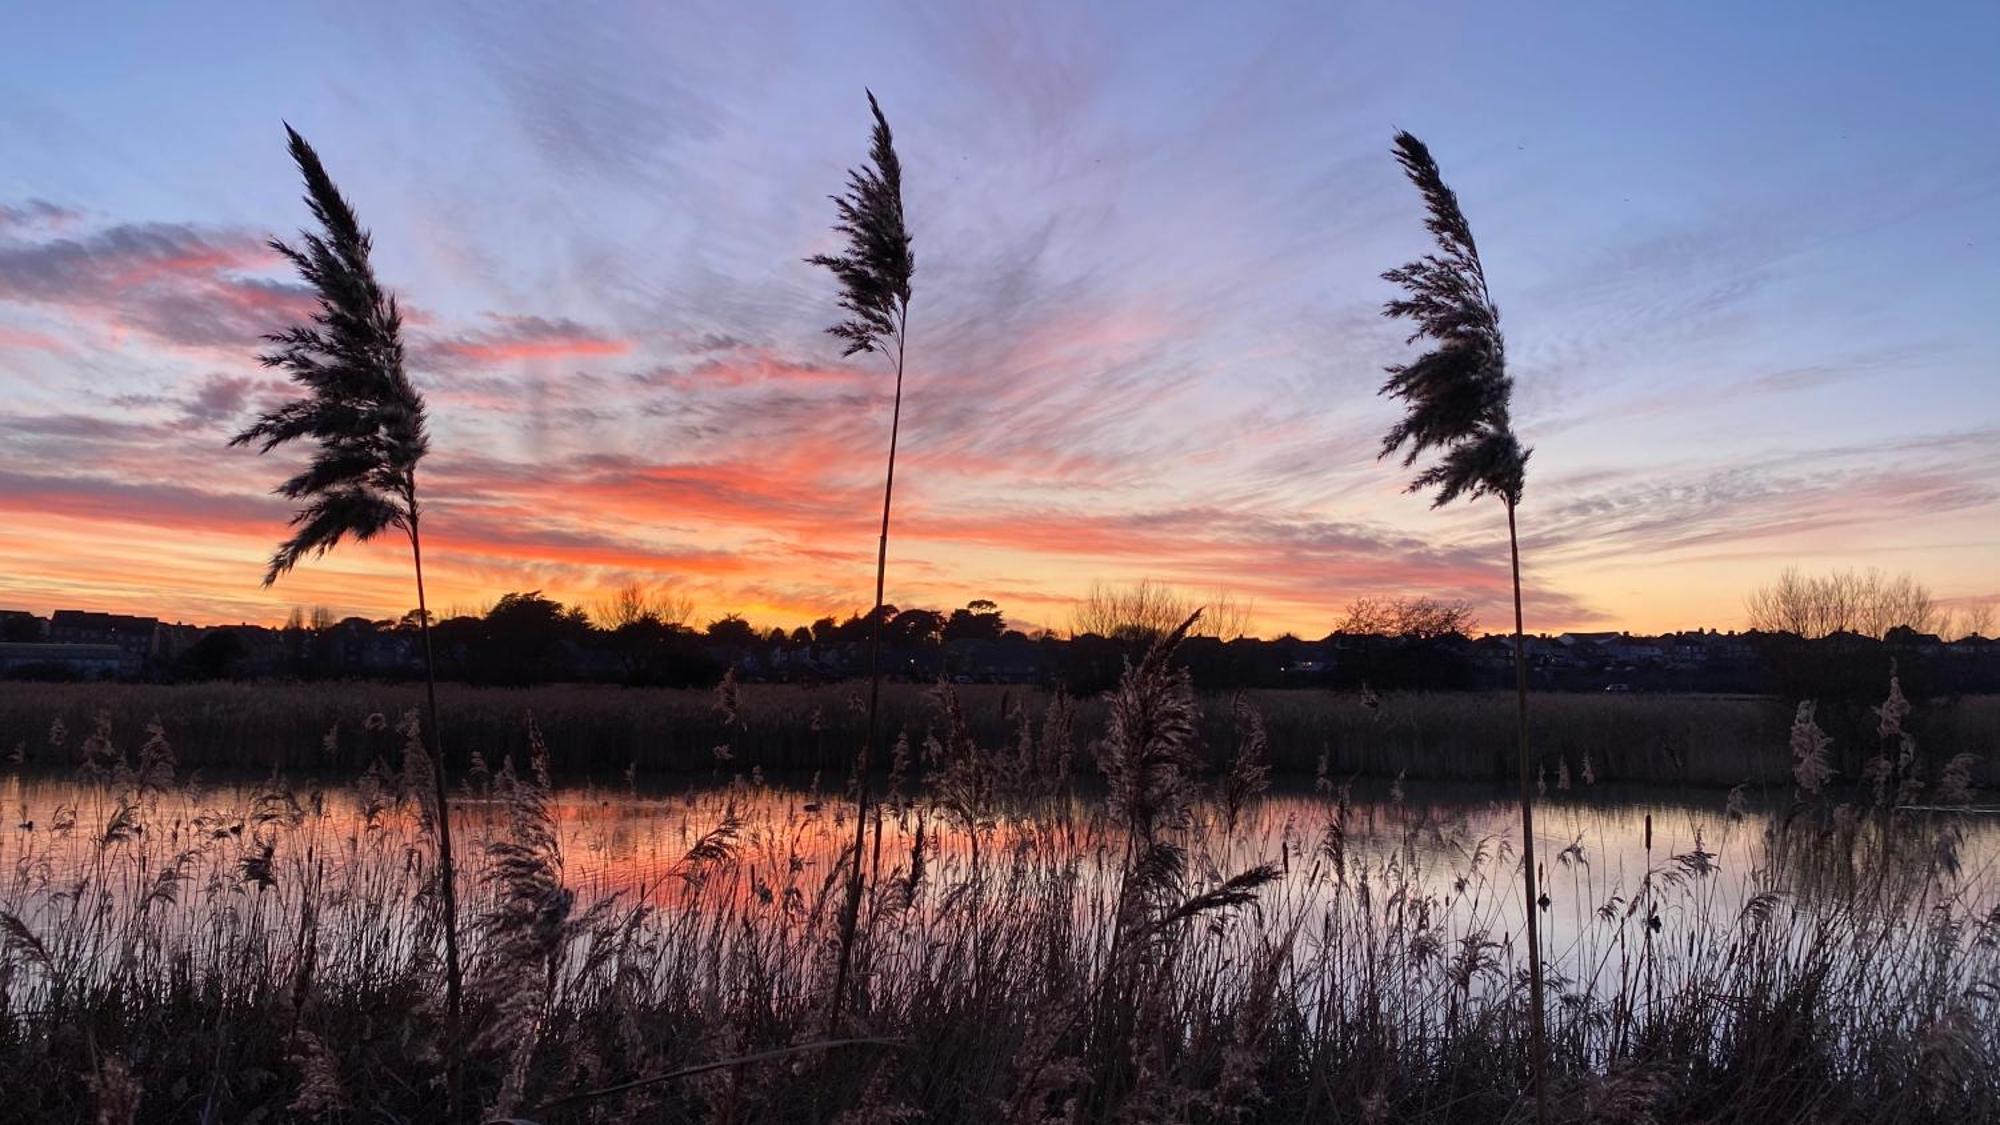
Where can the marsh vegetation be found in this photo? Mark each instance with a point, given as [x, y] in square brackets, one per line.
[1129, 924]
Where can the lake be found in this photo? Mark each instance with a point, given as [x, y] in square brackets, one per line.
[203, 856]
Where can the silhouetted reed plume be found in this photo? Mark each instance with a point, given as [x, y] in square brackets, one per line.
[366, 422]
[1456, 398]
[874, 277]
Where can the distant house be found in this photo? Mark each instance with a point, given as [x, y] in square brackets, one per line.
[136, 637]
[1974, 645]
[20, 625]
[1009, 660]
[90, 662]
[1573, 640]
[1493, 652]
[170, 641]
[1635, 650]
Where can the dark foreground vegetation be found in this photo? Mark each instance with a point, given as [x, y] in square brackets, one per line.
[308, 728]
[1163, 952]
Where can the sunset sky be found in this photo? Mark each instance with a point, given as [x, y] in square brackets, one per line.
[1748, 258]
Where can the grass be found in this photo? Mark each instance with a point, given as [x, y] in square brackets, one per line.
[1694, 740]
[1187, 947]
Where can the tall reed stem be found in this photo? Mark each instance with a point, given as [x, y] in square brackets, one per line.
[1528, 834]
[447, 869]
[850, 916]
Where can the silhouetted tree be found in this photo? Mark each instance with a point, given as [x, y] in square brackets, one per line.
[731, 630]
[216, 656]
[366, 420]
[915, 628]
[1138, 615]
[632, 602]
[1416, 618]
[874, 277]
[523, 637]
[980, 620]
[1866, 602]
[1456, 401]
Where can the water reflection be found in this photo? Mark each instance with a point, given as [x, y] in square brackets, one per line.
[1608, 857]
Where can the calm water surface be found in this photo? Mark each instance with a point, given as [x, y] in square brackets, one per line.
[1455, 845]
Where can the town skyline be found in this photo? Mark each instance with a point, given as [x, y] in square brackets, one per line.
[599, 616]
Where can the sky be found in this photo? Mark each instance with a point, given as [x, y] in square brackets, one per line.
[1747, 257]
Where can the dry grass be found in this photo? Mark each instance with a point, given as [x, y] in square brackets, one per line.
[1030, 952]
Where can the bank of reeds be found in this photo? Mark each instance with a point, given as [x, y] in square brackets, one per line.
[1026, 953]
[1698, 740]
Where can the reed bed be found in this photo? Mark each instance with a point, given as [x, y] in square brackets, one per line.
[1153, 937]
[301, 727]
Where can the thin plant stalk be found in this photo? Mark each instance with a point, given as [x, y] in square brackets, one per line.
[367, 422]
[1529, 891]
[1458, 397]
[447, 868]
[874, 275]
[851, 915]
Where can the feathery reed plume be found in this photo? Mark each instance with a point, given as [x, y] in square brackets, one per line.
[367, 422]
[874, 276]
[1148, 757]
[116, 1092]
[1249, 774]
[1809, 745]
[729, 700]
[156, 760]
[320, 1090]
[525, 929]
[98, 757]
[1457, 398]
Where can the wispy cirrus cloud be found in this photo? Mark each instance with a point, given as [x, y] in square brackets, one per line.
[1145, 340]
[34, 213]
[508, 339]
[177, 283]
